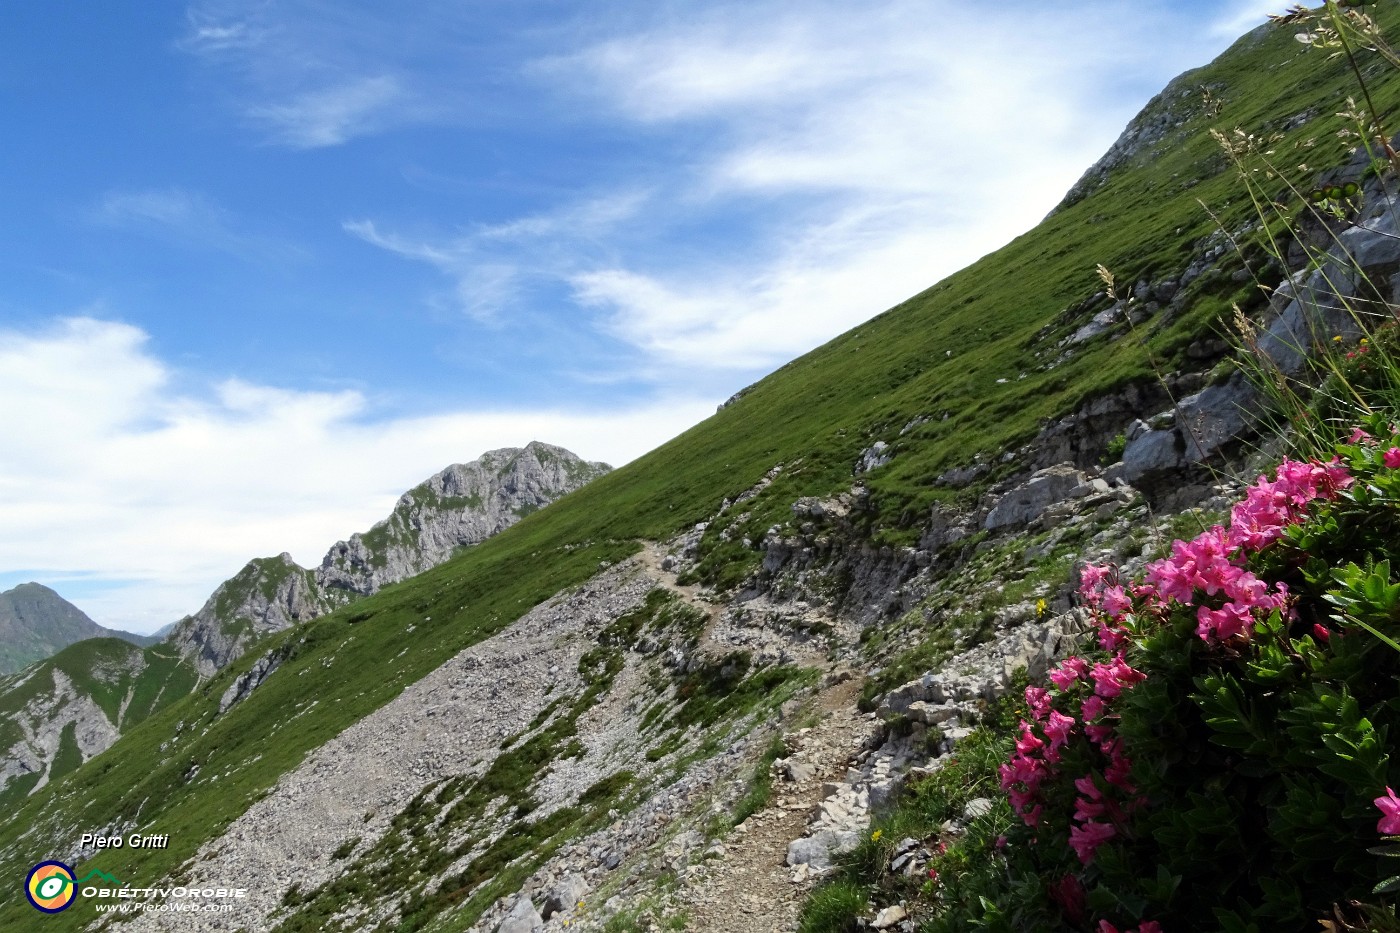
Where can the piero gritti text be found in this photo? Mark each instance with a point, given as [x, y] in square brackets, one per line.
[133, 841]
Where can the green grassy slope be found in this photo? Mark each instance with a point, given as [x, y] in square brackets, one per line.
[127, 683]
[815, 415]
[35, 623]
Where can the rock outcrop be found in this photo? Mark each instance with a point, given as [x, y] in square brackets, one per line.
[456, 508]
[267, 595]
[463, 505]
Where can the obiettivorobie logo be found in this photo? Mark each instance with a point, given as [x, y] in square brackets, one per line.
[51, 887]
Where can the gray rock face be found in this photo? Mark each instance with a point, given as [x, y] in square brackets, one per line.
[249, 680]
[522, 919]
[1028, 501]
[43, 721]
[267, 595]
[463, 505]
[1216, 415]
[564, 896]
[874, 457]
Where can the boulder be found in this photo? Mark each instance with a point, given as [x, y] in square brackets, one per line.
[1151, 452]
[1027, 501]
[564, 896]
[523, 918]
[1216, 415]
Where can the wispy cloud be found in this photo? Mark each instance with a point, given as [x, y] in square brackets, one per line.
[489, 266]
[332, 115]
[304, 76]
[186, 484]
[880, 152]
[213, 30]
[187, 219]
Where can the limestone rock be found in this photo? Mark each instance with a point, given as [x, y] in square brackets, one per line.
[523, 918]
[462, 505]
[268, 595]
[565, 896]
[888, 917]
[1027, 501]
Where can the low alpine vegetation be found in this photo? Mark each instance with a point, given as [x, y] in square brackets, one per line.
[1219, 759]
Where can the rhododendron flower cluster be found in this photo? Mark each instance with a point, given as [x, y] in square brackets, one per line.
[1039, 750]
[1209, 572]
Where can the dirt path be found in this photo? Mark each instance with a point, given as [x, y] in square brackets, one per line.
[751, 890]
[651, 557]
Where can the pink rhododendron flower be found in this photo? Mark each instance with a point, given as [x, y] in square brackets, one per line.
[1086, 839]
[1321, 632]
[1029, 743]
[1093, 707]
[1150, 926]
[1391, 458]
[1115, 602]
[1058, 728]
[1087, 808]
[1113, 678]
[1389, 805]
[1224, 623]
[1091, 578]
[1117, 772]
[1112, 638]
[1098, 733]
[1038, 699]
[1069, 671]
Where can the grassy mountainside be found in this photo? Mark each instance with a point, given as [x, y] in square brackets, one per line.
[125, 684]
[35, 622]
[978, 356]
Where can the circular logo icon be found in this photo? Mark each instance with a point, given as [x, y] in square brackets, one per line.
[50, 887]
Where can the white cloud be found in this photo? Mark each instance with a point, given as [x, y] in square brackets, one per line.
[488, 265]
[306, 75]
[329, 116]
[114, 474]
[884, 151]
[1242, 15]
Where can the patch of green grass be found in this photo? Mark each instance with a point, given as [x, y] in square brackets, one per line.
[760, 787]
[835, 908]
[69, 756]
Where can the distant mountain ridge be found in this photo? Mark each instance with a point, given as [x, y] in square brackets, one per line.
[75, 704]
[457, 507]
[36, 623]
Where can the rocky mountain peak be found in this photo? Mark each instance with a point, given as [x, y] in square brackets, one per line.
[455, 508]
[36, 622]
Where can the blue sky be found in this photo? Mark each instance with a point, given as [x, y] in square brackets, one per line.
[265, 265]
